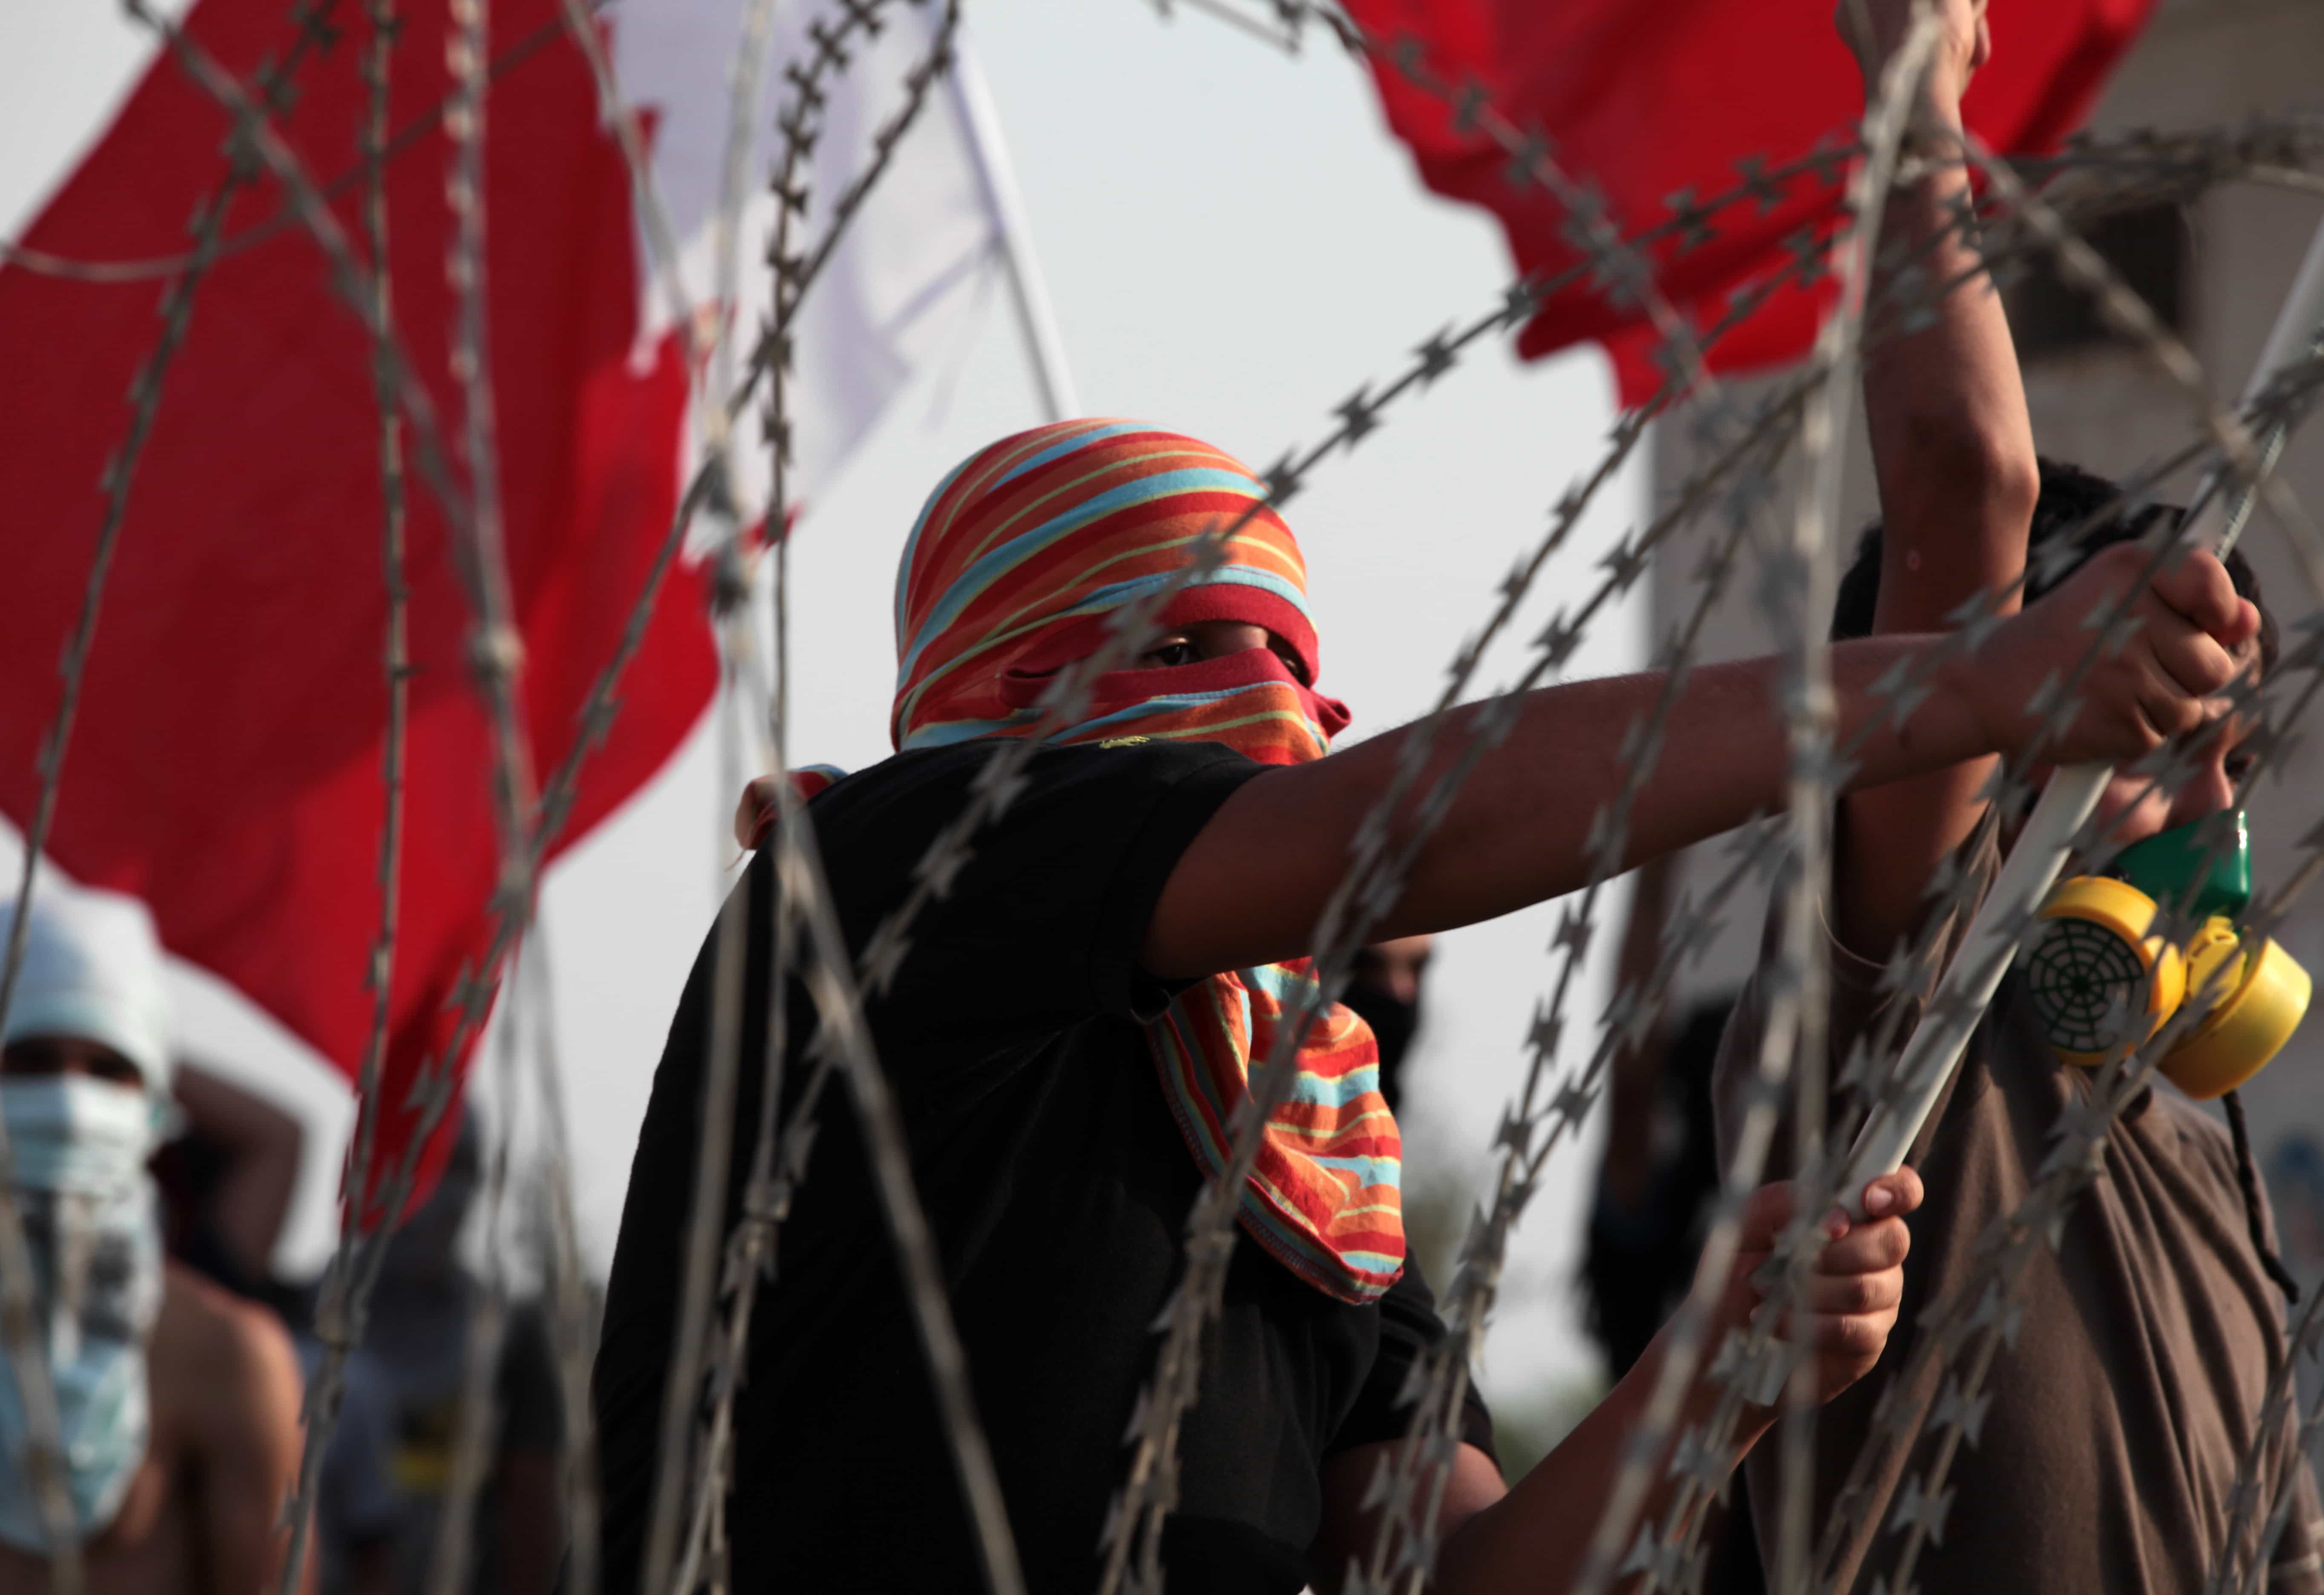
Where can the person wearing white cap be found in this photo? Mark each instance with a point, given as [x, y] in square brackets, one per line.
[178, 1403]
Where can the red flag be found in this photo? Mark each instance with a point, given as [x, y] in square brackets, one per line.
[226, 765]
[1645, 101]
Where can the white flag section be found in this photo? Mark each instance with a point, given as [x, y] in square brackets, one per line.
[916, 259]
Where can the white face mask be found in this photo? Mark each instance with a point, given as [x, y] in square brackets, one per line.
[78, 1151]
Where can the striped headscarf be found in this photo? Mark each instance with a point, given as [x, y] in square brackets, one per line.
[1017, 561]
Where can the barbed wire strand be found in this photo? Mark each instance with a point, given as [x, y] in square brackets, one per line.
[830, 979]
[2287, 1485]
[749, 1249]
[722, 1070]
[2277, 150]
[476, 1420]
[616, 113]
[496, 660]
[432, 1088]
[1693, 936]
[337, 1336]
[2276, 1406]
[1804, 595]
[571, 1320]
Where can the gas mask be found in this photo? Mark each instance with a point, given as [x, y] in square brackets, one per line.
[2101, 977]
[78, 1148]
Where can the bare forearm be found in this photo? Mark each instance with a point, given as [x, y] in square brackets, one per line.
[1517, 832]
[1953, 450]
[1952, 446]
[1538, 1536]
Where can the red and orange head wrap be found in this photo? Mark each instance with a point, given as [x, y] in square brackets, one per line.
[1024, 553]
[1014, 572]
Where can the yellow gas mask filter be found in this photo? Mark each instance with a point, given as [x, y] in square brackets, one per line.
[2086, 970]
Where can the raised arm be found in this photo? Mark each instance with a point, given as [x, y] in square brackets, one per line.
[1953, 454]
[1253, 883]
[262, 1146]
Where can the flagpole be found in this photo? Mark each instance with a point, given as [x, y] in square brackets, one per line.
[1044, 346]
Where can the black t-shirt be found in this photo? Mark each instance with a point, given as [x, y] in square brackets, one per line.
[1057, 1186]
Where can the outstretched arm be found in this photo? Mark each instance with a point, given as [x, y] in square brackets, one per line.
[1251, 888]
[1953, 453]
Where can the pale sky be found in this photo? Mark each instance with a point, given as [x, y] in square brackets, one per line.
[1232, 245]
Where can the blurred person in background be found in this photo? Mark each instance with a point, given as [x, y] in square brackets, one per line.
[388, 1475]
[226, 1181]
[1657, 1185]
[1384, 991]
[179, 1402]
[1661, 1168]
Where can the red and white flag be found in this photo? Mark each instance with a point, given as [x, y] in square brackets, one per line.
[917, 257]
[1646, 101]
[225, 761]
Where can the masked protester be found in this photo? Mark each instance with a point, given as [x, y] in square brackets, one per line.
[1075, 1027]
[390, 1469]
[2112, 1423]
[178, 1403]
[1383, 991]
[2118, 1421]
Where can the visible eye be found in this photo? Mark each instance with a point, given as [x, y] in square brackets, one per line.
[109, 1064]
[2239, 766]
[1170, 653]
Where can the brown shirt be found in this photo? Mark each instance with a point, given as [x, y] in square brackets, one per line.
[2118, 1422]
